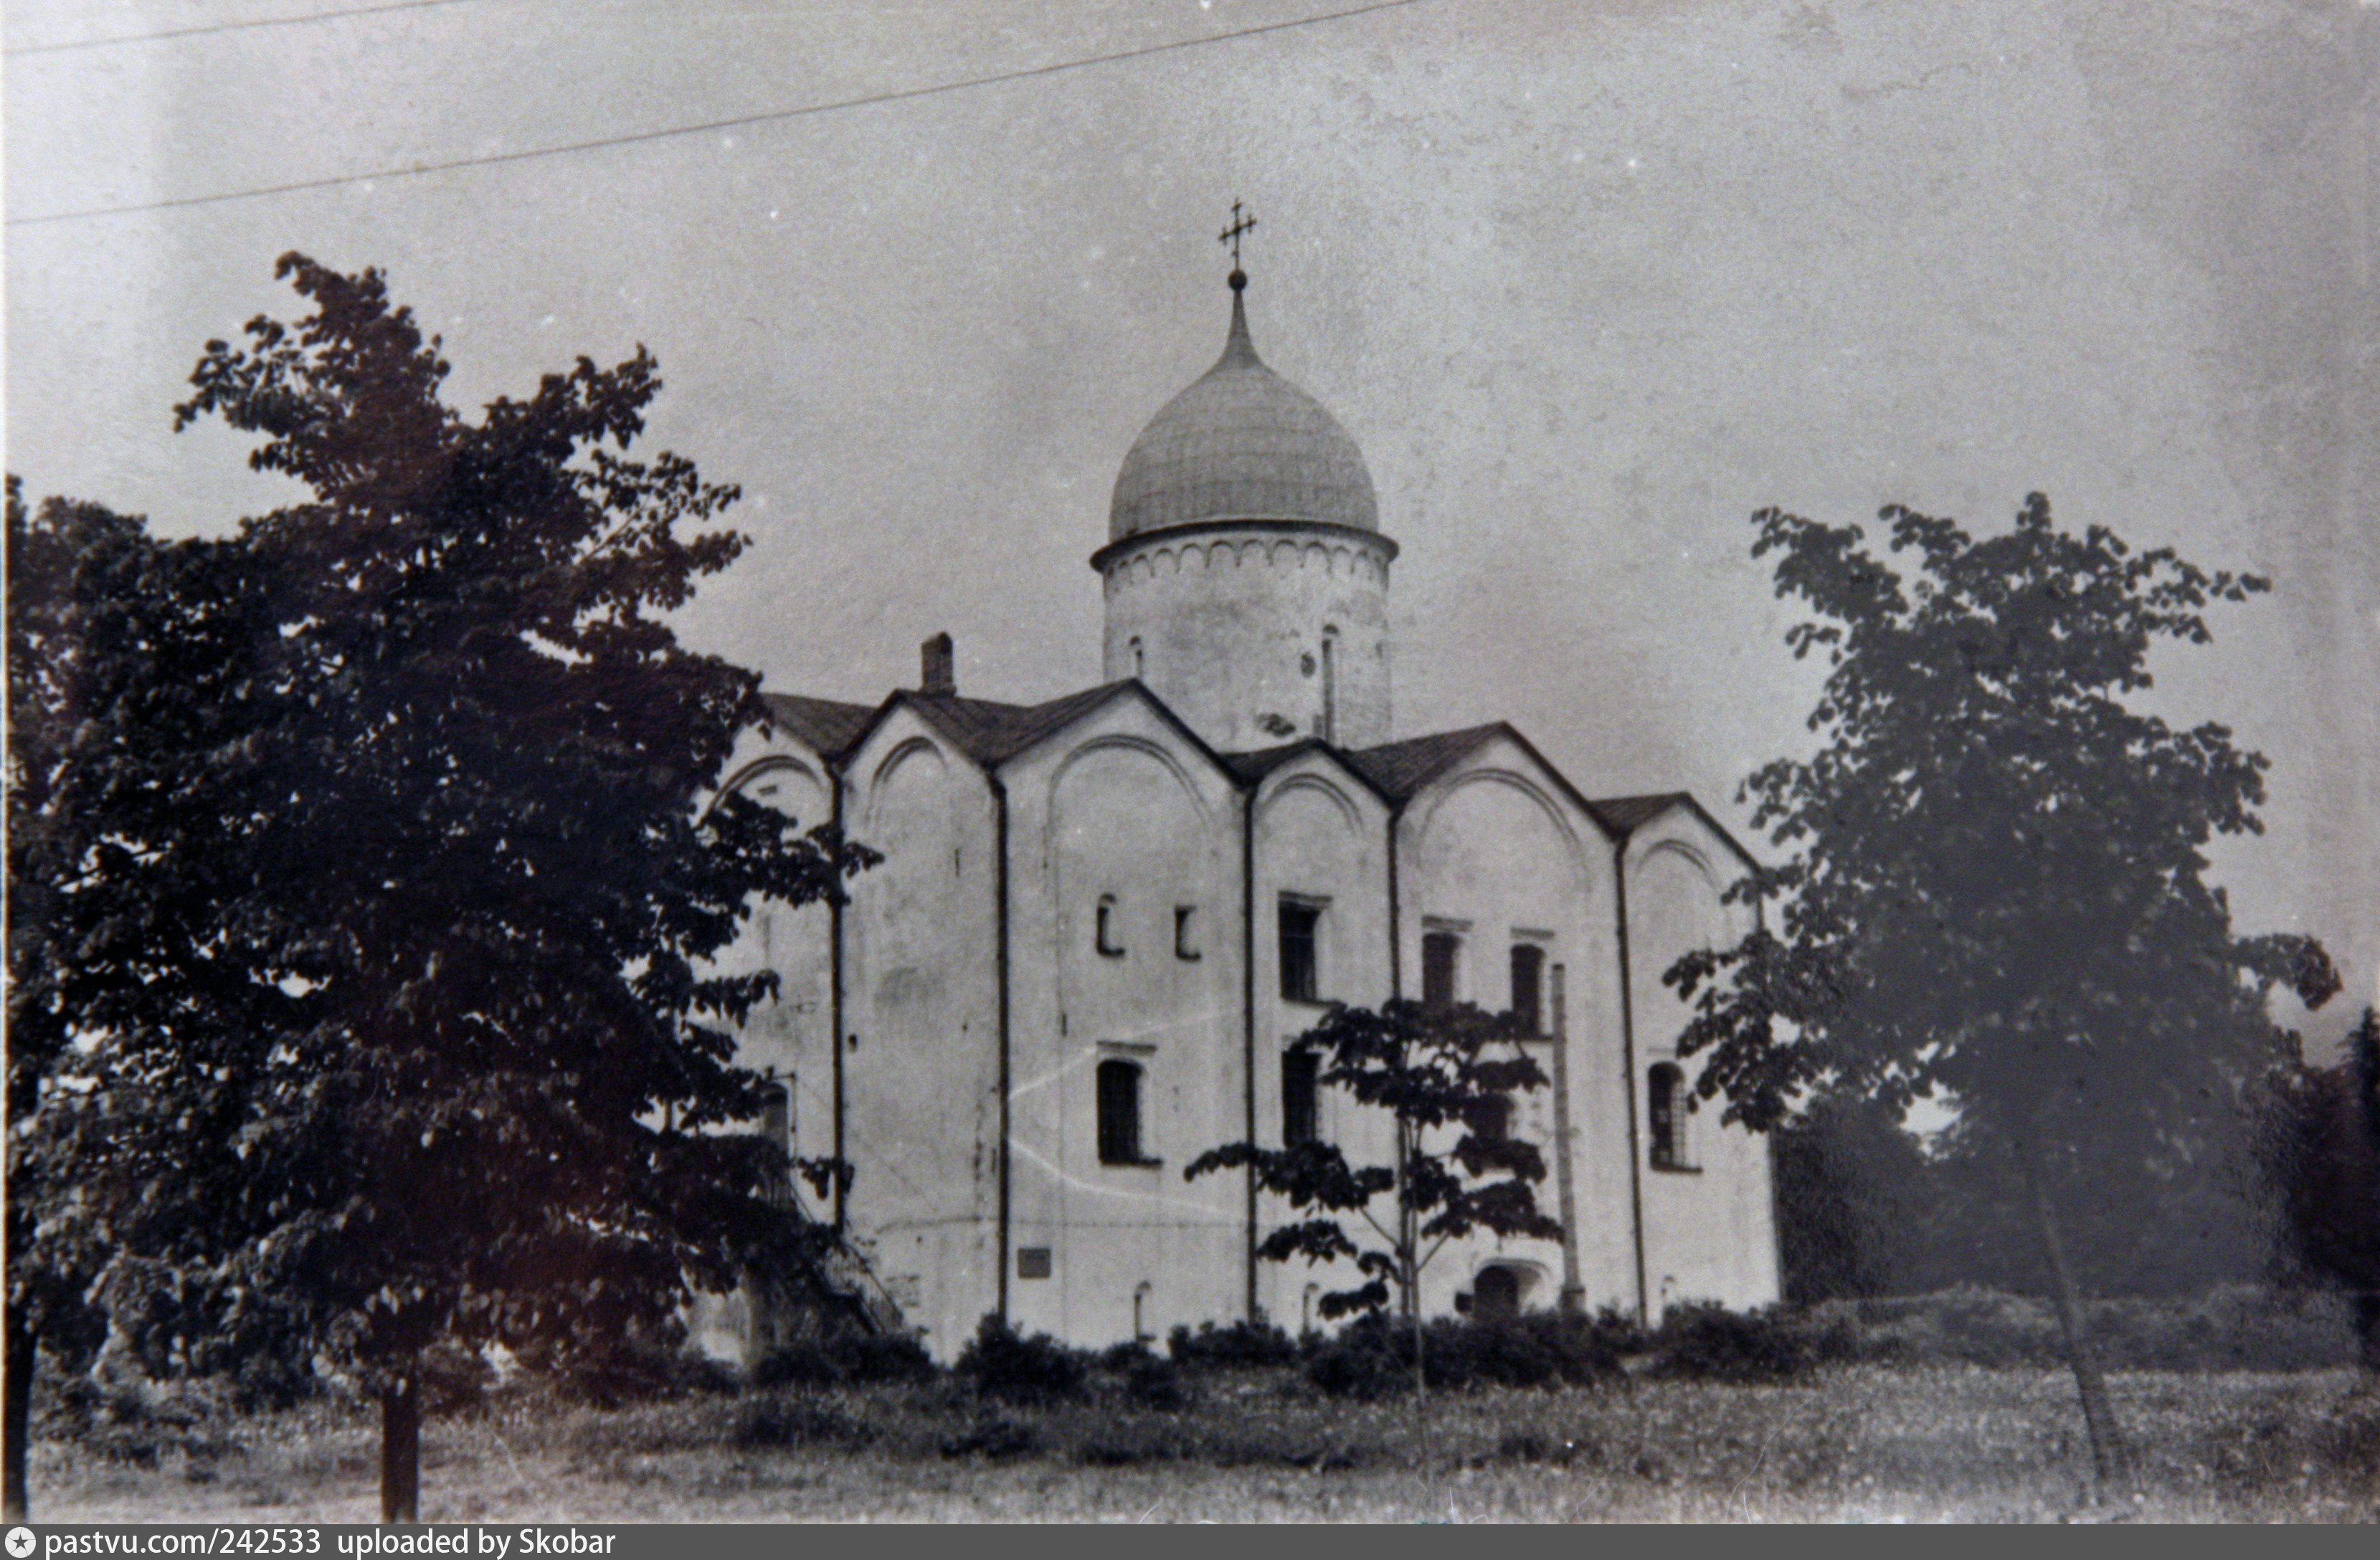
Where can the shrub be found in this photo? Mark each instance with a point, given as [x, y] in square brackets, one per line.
[1705, 1341]
[848, 1359]
[1359, 1363]
[1372, 1358]
[1149, 1379]
[999, 1363]
[1543, 1349]
[623, 1370]
[1242, 1343]
[1616, 1332]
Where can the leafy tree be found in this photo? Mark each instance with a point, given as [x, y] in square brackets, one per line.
[2324, 1144]
[122, 656]
[1435, 1070]
[1998, 898]
[1846, 1176]
[464, 1079]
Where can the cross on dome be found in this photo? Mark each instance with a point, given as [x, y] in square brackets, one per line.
[1239, 279]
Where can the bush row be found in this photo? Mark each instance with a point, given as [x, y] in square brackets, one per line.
[1371, 1357]
[2237, 1328]
[2230, 1328]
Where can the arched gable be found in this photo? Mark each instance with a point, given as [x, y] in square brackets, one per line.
[1337, 797]
[1165, 757]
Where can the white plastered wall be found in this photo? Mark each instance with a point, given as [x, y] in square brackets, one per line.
[1710, 1228]
[1321, 836]
[1123, 805]
[1496, 851]
[789, 1038]
[921, 1130]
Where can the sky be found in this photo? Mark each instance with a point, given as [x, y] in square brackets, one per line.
[1589, 283]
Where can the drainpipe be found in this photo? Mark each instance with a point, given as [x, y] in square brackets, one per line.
[834, 1036]
[1573, 1292]
[999, 961]
[1249, 1021]
[1396, 942]
[1628, 1077]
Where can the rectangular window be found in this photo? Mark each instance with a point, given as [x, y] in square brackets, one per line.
[1440, 953]
[1528, 984]
[1185, 931]
[1109, 937]
[1300, 972]
[1119, 1106]
[1033, 1261]
[1301, 1104]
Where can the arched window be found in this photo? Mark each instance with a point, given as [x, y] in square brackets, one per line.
[1139, 659]
[1666, 1103]
[1119, 1087]
[1109, 935]
[1496, 1295]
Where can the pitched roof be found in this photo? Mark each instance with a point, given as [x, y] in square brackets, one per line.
[1626, 814]
[1249, 768]
[826, 725]
[1399, 769]
[990, 732]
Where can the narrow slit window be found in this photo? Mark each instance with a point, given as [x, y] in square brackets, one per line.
[1109, 935]
[1119, 1108]
[1300, 973]
[1330, 685]
[1301, 1101]
[777, 1117]
[1666, 1103]
[1442, 955]
[1528, 985]
[1185, 931]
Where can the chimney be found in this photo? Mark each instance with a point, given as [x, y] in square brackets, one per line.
[935, 674]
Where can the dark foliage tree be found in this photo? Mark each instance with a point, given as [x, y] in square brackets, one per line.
[127, 660]
[1864, 1209]
[1997, 894]
[1847, 1180]
[463, 1079]
[2323, 1144]
[1445, 1077]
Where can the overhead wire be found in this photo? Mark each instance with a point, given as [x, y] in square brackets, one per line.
[903, 94]
[78, 44]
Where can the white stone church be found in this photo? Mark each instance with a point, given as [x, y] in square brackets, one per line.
[1103, 922]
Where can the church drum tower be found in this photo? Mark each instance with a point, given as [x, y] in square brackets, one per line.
[1247, 577]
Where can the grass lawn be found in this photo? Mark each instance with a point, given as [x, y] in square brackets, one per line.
[1858, 1444]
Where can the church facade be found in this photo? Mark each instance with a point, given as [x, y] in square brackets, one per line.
[1103, 922]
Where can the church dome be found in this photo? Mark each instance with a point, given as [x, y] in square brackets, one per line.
[1241, 443]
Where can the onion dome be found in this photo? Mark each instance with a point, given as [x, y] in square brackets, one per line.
[1241, 443]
